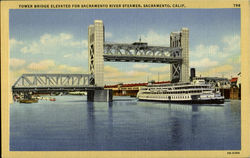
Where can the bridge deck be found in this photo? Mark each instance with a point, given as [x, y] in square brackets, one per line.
[53, 89]
[148, 59]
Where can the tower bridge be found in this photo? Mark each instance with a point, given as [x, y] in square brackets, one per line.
[177, 55]
[99, 51]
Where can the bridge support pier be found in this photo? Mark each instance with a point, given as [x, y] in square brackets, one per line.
[104, 95]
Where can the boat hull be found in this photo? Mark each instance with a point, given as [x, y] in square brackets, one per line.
[211, 101]
[28, 101]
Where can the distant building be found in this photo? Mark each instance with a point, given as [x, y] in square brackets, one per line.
[236, 81]
[235, 91]
[218, 82]
[233, 82]
[129, 89]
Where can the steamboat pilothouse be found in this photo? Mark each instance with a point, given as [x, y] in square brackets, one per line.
[193, 92]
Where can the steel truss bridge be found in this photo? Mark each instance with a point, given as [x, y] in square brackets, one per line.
[99, 52]
[50, 83]
[113, 52]
[141, 52]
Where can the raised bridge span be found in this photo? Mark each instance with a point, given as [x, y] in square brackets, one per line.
[141, 52]
[99, 51]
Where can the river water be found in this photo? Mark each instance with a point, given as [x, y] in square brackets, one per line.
[72, 124]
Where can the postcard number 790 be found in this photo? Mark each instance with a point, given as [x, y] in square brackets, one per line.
[236, 5]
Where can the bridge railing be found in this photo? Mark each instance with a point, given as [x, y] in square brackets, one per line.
[53, 80]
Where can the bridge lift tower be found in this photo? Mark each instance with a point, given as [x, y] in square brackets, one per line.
[180, 71]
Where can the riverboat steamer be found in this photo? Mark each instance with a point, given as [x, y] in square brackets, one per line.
[196, 92]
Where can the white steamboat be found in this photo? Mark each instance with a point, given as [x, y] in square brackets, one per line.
[196, 92]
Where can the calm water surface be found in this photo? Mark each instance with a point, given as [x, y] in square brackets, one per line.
[72, 123]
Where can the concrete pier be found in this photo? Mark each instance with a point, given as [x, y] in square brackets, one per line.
[100, 95]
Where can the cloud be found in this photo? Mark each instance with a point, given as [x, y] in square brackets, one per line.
[61, 43]
[108, 35]
[152, 37]
[14, 42]
[164, 68]
[202, 50]
[219, 71]
[217, 60]
[205, 62]
[109, 69]
[44, 65]
[135, 74]
[81, 56]
[235, 59]
[232, 43]
[52, 39]
[56, 53]
[31, 48]
[140, 66]
[85, 43]
[113, 75]
[68, 55]
[68, 69]
[111, 72]
[14, 75]
[155, 38]
[50, 66]
[16, 63]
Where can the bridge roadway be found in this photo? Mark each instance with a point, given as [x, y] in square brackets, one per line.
[53, 89]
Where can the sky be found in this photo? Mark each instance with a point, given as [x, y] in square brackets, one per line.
[55, 41]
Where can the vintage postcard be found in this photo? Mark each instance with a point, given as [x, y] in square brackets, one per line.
[125, 79]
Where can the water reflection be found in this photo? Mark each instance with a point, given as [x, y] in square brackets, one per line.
[176, 133]
[110, 124]
[93, 131]
[91, 123]
[110, 104]
[234, 107]
[124, 103]
[194, 120]
[183, 108]
[195, 108]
